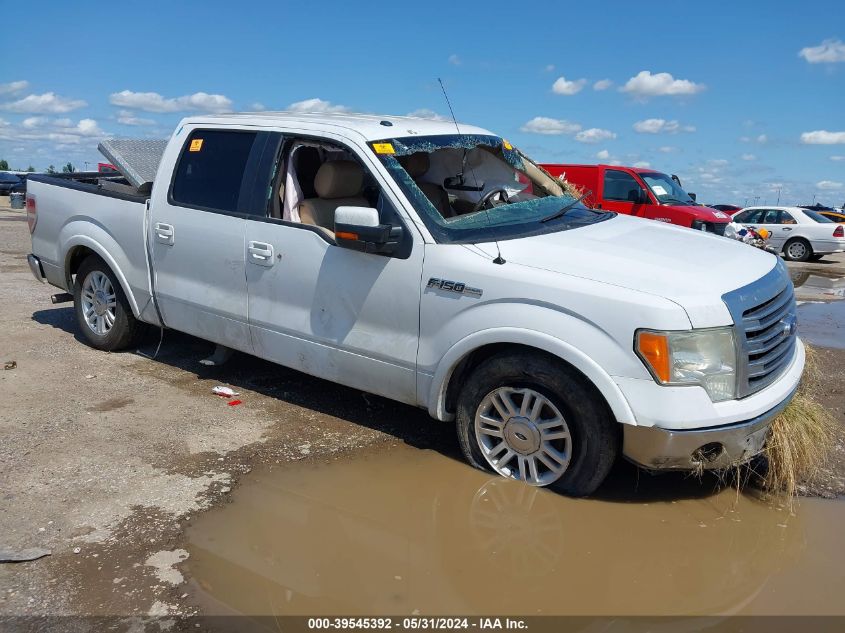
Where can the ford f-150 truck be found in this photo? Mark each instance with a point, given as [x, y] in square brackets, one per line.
[641, 192]
[441, 269]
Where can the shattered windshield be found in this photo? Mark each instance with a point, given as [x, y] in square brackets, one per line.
[473, 188]
[666, 190]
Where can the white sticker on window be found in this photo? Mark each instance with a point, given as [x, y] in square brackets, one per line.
[658, 190]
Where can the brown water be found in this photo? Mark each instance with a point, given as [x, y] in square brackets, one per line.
[406, 531]
[822, 324]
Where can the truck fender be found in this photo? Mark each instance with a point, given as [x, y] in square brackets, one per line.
[90, 243]
[529, 338]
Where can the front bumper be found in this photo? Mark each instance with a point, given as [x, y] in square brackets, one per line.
[35, 267]
[716, 448]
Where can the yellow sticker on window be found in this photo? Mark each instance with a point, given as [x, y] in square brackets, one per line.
[506, 144]
[383, 148]
[196, 145]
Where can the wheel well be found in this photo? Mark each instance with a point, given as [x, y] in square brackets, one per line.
[797, 238]
[74, 260]
[477, 356]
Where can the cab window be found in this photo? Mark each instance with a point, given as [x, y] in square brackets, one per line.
[621, 186]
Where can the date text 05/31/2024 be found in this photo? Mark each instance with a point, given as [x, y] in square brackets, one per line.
[415, 623]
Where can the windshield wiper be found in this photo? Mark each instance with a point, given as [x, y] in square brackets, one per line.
[567, 208]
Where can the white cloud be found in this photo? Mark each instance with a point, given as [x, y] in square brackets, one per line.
[127, 117]
[644, 84]
[762, 139]
[644, 164]
[667, 149]
[546, 125]
[49, 102]
[154, 102]
[829, 51]
[748, 157]
[829, 185]
[12, 87]
[823, 137]
[33, 122]
[425, 113]
[454, 60]
[257, 106]
[61, 131]
[602, 84]
[317, 105]
[562, 86]
[550, 68]
[658, 126]
[837, 158]
[603, 154]
[594, 135]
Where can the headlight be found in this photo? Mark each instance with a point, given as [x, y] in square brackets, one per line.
[696, 357]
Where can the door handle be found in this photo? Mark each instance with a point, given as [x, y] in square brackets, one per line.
[260, 253]
[786, 228]
[164, 233]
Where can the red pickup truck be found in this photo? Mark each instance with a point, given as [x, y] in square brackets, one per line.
[642, 192]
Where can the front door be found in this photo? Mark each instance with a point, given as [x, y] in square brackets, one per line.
[197, 239]
[346, 316]
[623, 194]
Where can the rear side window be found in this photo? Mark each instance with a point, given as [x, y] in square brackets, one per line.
[619, 185]
[211, 169]
[818, 217]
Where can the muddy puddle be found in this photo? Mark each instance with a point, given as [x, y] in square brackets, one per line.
[812, 286]
[822, 324]
[407, 531]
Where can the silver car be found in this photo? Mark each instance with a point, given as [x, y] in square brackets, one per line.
[800, 234]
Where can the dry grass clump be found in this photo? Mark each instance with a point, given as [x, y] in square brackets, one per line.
[571, 189]
[802, 437]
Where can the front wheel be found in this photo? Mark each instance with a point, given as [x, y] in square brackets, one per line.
[528, 417]
[102, 310]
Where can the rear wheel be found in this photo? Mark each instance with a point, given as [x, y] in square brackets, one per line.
[797, 250]
[528, 417]
[102, 310]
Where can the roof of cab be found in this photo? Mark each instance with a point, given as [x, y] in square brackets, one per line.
[371, 126]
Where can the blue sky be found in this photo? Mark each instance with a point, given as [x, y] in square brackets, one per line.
[737, 98]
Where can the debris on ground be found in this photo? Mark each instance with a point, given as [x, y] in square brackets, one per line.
[8, 555]
[225, 392]
[234, 403]
[10, 364]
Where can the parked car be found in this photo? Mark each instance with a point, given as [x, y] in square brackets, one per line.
[644, 193]
[446, 271]
[801, 235]
[9, 183]
[835, 216]
[730, 209]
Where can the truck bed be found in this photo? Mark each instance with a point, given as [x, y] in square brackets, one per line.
[83, 213]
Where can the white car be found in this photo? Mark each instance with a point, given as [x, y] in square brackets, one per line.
[800, 234]
[447, 271]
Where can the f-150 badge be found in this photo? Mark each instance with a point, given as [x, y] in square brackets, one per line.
[457, 287]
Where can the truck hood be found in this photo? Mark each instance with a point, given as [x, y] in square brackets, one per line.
[691, 268]
[701, 213]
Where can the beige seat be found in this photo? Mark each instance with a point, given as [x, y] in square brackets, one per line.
[337, 184]
[417, 165]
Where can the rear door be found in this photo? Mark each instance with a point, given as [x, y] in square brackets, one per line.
[622, 193]
[197, 227]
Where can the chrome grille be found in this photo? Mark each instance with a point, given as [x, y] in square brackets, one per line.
[764, 315]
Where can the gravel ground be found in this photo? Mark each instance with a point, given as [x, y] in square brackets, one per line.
[105, 458]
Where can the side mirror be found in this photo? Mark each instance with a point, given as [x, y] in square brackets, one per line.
[358, 228]
[691, 195]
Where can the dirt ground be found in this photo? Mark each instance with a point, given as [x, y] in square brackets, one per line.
[105, 458]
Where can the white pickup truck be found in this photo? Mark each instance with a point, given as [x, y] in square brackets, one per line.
[444, 269]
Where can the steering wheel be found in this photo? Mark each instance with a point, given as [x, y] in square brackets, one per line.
[487, 199]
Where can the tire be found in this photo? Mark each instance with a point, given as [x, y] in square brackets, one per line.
[797, 250]
[592, 444]
[96, 288]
